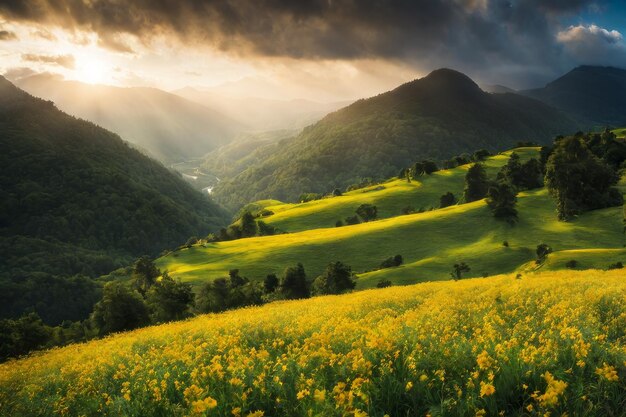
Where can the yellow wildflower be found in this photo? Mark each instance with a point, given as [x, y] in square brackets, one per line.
[486, 389]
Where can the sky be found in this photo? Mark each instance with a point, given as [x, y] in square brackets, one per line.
[324, 50]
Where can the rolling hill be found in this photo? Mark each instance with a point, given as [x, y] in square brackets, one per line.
[430, 242]
[166, 126]
[596, 96]
[438, 116]
[76, 200]
[550, 343]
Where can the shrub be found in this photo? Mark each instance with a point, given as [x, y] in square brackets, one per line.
[571, 264]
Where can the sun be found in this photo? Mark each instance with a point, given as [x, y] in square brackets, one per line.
[91, 69]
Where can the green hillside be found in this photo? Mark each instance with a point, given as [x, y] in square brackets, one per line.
[430, 242]
[437, 117]
[76, 200]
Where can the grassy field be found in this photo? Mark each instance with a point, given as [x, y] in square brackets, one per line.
[390, 197]
[430, 242]
[544, 344]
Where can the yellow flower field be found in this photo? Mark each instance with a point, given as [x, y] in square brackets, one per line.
[550, 344]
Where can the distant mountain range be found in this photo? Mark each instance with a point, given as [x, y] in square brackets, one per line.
[436, 117]
[164, 125]
[76, 200]
[594, 96]
[262, 114]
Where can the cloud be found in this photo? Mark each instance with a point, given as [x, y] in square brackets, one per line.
[66, 61]
[484, 37]
[593, 44]
[6, 35]
[18, 73]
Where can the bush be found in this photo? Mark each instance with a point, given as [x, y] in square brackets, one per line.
[383, 283]
[447, 200]
[543, 250]
[367, 212]
[352, 220]
[408, 210]
[120, 309]
[616, 265]
[392, 261]
[571, 264]
[336, 279]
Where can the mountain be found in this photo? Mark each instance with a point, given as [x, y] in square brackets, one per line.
[596, 96]
[438, 116]
[164, 125]
[263, 114]
[76, 200]
[497, 88]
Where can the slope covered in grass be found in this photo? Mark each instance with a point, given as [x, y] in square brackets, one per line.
[430, 242]
[390, 197]
[545, 343]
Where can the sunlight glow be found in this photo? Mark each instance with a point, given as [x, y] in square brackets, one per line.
[92, 69]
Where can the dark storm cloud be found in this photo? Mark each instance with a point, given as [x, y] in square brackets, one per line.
[460, 33]
[66, 61]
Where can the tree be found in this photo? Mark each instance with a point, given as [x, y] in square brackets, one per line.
[293, 284]
[350, 220]
[543, 250]
[337, 192]
[447, 200]
[20, 336]
[248, 225]
[367, 212]
[270, 283]
[383, 283]
[265, 229]
[145, 274]
[429, 167]
[392, 261]
[170, 300]
[336, 279]
[476, 184]
[120, 309]
[459, 269]
[578, 180]
[501, 199]
[213, 296]
[236, 280]
[481, 155]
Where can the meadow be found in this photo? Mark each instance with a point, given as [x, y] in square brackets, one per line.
[537, 345]
[430, 242]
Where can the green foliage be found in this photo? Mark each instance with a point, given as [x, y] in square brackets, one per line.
[542, 251]
[336, 279]
[428, 118]
[77, 200]
[458, 270]
[384, 283]
[248, 225]
[270, 283]
[169, 300]
[120, 309]
[476, 184]
[228, 293]
[616, 265]
[571, 264]
[446, 200]
[579, 180]
[145, 274]
[501, 199]
[20, 336]
[293, 283]
[392, 261]
[350, 220]
[367, 212]
[525, 176]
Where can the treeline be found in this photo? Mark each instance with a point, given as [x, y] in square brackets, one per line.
[153, 297]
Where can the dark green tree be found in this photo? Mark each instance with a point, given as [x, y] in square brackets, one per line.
[501, 199]
[293, 284]
[20, 336]
[447, 200]
[213, 296]
[543, 250]
[170, 300]
[145, 274]
[367, 212]
[120, 309]
[476, 183]
[336, 279]
[459, 269]
[270, 283]
[248, 225]
[578, 180]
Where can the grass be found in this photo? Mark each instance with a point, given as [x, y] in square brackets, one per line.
[430, 243]
[546, 344]
[390, 197]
